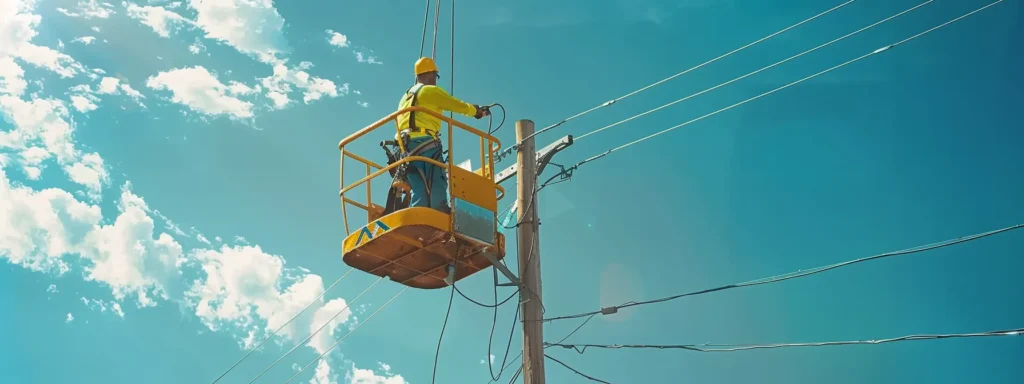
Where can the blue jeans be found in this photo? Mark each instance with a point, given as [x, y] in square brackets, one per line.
[438, 198]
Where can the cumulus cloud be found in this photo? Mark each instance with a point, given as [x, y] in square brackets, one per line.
[364, 58]
[253, 27]
[201, 91]
[42, 123]
[88, 9]
[368, 376]
[69, 318]
[241, 287]
[158, 18]
[39, 228]
[336, 39]
[17, 29]
[84, 40]
[279, 85]
[84, 103]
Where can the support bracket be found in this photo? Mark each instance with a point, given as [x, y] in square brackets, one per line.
[543, 157]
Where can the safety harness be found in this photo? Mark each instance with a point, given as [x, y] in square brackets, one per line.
[398, 194]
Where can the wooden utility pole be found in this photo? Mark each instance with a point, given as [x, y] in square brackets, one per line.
[529, 255]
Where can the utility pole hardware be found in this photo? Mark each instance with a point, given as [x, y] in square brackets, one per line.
[529, 255]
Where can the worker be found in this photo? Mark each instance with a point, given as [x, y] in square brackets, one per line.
[418, 133]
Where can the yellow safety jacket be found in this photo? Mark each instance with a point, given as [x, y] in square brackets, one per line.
[433, 98]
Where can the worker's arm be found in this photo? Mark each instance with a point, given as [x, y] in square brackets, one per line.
[440, 98]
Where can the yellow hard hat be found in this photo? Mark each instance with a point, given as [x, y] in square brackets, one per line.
[424, 65]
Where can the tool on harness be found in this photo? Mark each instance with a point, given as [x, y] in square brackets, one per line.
[399, 194]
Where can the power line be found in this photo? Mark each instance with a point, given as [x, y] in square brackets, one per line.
[547, 345]
[346, 335]
[271, 335]
[314, 332]
[580, 348]
[755, 72]
[877, 51]
[576, 371]
[797, 274]
[512, 148]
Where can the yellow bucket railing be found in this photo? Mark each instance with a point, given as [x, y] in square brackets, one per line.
[486, 160]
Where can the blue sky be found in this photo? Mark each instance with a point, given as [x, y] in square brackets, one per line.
[170, 172]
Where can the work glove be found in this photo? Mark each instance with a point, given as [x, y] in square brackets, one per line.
[481, 112]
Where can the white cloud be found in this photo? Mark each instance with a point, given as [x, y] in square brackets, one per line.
[90, 172]
[82, 104]
[12, 80]
[84, 40]
[88, 9]
[367, 376]
[44, 121]
[17, 29]
[69, 318]
[336, 39]
[279, 85]
[158, 18]
[253, 27]
[363, 58]
[363, 104]
[52, 288]
[196, 47]
[242, 287]
[113, 306]
[39, 228]
[323, 374]
[200, 90]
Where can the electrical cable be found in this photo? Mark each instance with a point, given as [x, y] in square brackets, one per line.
[509, 150]
[875, 52]
[580, 348]
[437, 353]
[491, 121]
[272, 334]
[423, 39]
[329, 349]
[576, 371]
[757, 71]
[546, 346]
[800, 273]
[437, 11]
[498, 304]
[314, 332]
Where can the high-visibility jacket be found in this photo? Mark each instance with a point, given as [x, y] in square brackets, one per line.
[433, 98]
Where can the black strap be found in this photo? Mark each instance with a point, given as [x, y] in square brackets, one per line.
[412, 114]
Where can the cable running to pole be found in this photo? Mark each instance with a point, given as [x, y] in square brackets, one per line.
[314, 332]
[620, 98]
[591, 378]
[272, 334]
[580, 348]
[800, 273]
[875, 52]
[757, 71]
[329, 349]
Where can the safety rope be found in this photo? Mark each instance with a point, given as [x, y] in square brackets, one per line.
[347, 304]
[272, 334]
